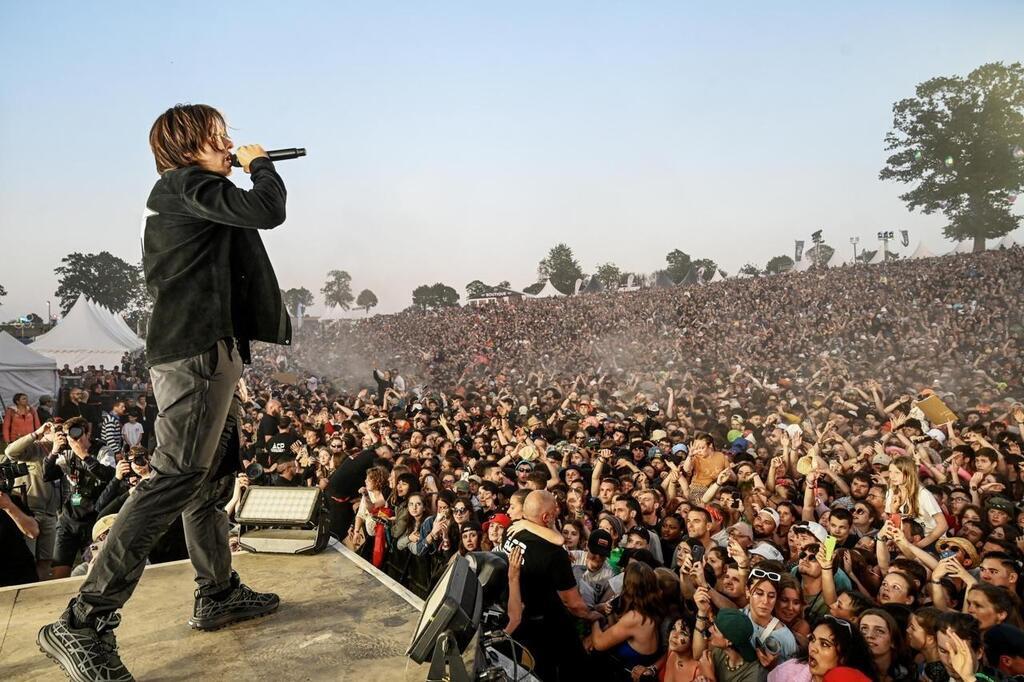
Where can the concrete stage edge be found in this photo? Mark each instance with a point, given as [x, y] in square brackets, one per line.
[340, 619]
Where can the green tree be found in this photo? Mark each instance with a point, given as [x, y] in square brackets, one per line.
[503, 284]
[434, 296]
[476, 288]
[709, 267]
[103, 277]
[961, 140]
[293, 297]
[561, 268]
[609, 275]
[366, 300]
[678, 264]
[337, 291]
[750, 269]
[779, 264]
[534, 288]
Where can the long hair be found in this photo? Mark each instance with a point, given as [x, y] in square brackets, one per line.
[640, 592]
[852, 649]
[900, 651]
[911, 484]
[1002, 600]
[179, 134]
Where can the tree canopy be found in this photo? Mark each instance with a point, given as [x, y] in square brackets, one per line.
[366, 300]
[102, 277]
[779, 264]
[561, 267]
[609, 275]
[293, 297]
[706, 267]
[960, 143]
[434, 296]
[337, 291]
[750, 269]
[678, 264]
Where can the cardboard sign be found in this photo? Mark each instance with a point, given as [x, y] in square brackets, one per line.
[285, 378]
[936, 411]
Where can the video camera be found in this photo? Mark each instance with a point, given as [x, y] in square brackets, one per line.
[10, 471]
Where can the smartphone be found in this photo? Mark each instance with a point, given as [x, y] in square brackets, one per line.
[697, 553]
[947, 554]
[896, 520]
[830, 547]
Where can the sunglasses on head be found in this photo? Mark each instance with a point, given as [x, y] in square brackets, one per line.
[839, 621]
[770, 575]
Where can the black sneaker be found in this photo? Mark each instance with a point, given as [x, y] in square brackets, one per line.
[242, 603]
[86, 654]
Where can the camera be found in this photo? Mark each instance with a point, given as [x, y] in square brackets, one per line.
[140, 460]
[254, 472]
[10, 471]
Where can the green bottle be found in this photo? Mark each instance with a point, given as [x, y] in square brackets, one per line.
[615, 557]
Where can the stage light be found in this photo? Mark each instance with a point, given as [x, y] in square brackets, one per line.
[450, 618]
[283, 520]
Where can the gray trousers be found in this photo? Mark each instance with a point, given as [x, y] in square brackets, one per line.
[197, 399]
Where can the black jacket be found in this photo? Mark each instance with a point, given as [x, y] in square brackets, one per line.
[205, 264]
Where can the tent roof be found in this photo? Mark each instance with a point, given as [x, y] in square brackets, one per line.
[87, 335]
[879, 257]
[966, 246]
[662, 280]
[689, 278]
[717, 277]
[921, 251]
[16, 355]
[549, 291]
[802, 265]
[1007, 242]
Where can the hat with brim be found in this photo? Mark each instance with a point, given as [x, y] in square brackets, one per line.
[736, 627]
[1000, 503]
[963, 544]
[805, 465]
[102, 525]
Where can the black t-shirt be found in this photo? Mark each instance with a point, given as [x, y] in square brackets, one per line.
[281, 445]
[350, 475]
[17, 565]
[546, 571]
[267, 428]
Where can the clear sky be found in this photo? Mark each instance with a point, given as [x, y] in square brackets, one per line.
[452, 141]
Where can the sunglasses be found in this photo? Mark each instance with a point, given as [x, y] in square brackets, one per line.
[839, 621]
[460, 510]
[770, 575]
[860, 511]
[810, 551]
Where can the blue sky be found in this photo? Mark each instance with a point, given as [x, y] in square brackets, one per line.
[452, 141]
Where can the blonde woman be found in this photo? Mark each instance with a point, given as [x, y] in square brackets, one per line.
[907, 498]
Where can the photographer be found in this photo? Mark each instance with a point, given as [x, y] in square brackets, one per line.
[43, 497]
[86, 478]
[17, 565]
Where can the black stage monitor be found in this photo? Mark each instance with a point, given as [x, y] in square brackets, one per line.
[454, 605]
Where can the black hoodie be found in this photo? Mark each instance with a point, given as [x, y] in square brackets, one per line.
[205, 264]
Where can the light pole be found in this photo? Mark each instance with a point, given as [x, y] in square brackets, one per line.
[855, 241]
[884, 237]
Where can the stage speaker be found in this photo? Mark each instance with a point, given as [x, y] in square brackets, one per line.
[283, 520]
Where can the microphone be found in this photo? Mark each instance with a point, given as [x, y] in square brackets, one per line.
[276, 155]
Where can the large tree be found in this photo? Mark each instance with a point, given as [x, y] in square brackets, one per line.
[609, 275]
[337, 291]
[366, 300]
[960, 142]
[561, 268]
[293, 297]
[434, 296]
[750, 269]
[706, 267]
[779, 264]
[102, 277]
[678, 264]
[476, 288]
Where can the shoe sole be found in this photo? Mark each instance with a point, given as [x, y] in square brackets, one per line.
[56, 655]
[229, 619]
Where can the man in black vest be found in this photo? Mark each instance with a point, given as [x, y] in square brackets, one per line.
[214, 290]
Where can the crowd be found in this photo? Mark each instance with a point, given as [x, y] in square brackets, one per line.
[808, 476]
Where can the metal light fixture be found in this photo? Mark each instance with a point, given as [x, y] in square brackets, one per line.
[283, 520]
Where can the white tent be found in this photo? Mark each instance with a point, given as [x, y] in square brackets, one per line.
[87, 336]
[921, 251]
[802, 265]
[1007, 242]
[549, 291]
[22, 370]
[879, 257]
[117, 326]
[838, 260]
[717, 277]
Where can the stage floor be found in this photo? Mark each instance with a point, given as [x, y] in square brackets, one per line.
[336, 622]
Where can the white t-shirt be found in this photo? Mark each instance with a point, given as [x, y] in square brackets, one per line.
[927, 508]
[132, 433]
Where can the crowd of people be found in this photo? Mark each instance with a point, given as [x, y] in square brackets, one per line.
[811, 476]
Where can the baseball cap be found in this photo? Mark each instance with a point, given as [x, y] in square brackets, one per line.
[736, 627]
[658, 434]
[768, 551]
[600, 542]
[1000, 503]
[812, 527]
[882, 460]
[102, 525]
[772, 514]
[742, 528]
[503, 520]
[679, 447]
[462, 486]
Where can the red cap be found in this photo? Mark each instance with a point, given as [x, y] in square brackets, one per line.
[503, 520]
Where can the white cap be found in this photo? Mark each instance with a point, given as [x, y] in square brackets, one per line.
[815, 529]
[768, 551]
[772, 514]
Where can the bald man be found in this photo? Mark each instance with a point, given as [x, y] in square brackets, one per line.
[549, 594]
[268, 423]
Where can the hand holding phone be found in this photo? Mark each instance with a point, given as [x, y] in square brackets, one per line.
[830, 547]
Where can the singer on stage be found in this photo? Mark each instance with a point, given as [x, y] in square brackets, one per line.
[214, 291]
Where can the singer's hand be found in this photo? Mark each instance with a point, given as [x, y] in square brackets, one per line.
[246, 153]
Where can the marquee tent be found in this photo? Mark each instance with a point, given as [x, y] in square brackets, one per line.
[88, 335]
[921, 251]
[22, 370]
[1007, 242]
[549, 291]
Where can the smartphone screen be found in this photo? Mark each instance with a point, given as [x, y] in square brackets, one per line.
[830, 547]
